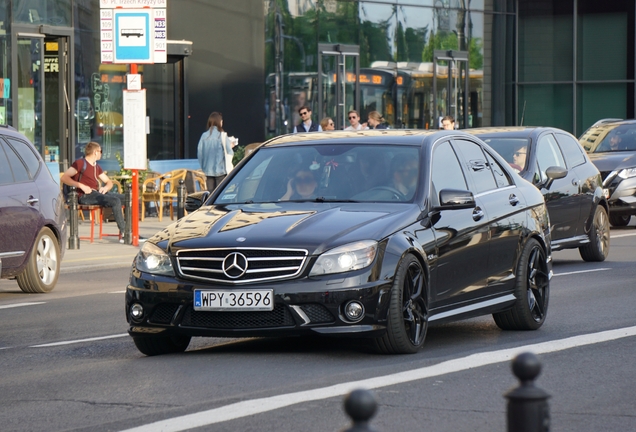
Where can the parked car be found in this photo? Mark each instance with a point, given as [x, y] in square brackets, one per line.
[557, 165]
[371, 234]
[33, 229]
[611, 146]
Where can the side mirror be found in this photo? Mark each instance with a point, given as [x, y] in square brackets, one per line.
[454, 199]
[553, 173]
[195, 200]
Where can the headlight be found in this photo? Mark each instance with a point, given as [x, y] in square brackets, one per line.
[627, 173]
[152, 259]
[353, 256]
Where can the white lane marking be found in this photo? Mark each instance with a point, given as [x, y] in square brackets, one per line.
[622, 235]
[79, 341]
[581, 271]
[20, 305]
[3, 348]
[256, 406]
[118, 292]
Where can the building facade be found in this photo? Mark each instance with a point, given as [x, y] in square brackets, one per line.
[563, 63]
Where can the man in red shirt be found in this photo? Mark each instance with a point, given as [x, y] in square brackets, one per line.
[85, 175]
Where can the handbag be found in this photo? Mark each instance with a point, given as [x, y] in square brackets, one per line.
[228, 157]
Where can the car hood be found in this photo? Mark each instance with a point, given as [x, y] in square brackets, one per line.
[313, 226]
[610, 161]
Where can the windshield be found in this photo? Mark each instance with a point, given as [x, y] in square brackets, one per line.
[609, 138]
[320, 173]
[513, 150]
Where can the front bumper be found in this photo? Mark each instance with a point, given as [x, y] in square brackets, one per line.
[301, 306]
[621, 193]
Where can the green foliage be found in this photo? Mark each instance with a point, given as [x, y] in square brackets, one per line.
[126, 172]
[239, 154]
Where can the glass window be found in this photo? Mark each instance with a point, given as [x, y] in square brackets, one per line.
[546, 43]
[20, 172]
[571, 149]
[547, 105]
[447, 172]
[475, 166]
[326, 173]
[603, 100]
[6, 177]
[548, 154]
[49, 12]
[513, 150]
[501, 177]
[27, 155]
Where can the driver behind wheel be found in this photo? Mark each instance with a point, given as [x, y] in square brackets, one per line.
[404, 171]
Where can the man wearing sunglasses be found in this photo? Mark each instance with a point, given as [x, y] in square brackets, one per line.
[354, 121]
[306, 125]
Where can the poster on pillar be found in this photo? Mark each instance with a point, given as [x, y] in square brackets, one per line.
[135, 156]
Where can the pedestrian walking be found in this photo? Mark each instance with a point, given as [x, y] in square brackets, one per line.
[213, 147]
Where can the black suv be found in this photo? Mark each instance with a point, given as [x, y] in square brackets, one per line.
[554, 162]
[33, 229]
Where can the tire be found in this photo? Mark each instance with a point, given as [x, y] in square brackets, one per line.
[532, 291]
[619, 220]
[158, 345]
[598, 247]
[43, 268]
[407, 320]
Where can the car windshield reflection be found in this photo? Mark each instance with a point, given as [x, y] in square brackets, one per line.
[326, 173]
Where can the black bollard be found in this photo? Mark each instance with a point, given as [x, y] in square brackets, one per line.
[128, 213]
[528, 409]
[182, 193]
[73, 239]
[360, 405]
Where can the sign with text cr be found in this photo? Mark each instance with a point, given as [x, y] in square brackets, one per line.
[133, 3]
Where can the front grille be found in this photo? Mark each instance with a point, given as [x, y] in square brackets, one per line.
[317, 313]
[279, 317]
[259, 264]
[163, 313]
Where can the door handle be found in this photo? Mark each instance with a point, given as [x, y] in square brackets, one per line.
[575, 182]
[513, 199]
[478, 213]
[32, 200]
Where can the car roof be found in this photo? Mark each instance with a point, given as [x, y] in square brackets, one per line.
[512, 131]
[378, 136]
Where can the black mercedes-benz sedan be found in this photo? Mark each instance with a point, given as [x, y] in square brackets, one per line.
[554, 161]
[370, 234]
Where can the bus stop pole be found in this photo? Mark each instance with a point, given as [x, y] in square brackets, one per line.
[135, 191]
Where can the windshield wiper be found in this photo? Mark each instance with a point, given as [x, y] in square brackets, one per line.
[330, 199]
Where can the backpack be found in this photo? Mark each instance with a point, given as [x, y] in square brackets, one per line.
[66, 189]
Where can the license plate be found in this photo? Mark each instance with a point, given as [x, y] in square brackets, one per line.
[234, 300]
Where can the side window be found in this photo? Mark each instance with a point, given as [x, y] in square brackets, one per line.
[475, 166]
[548, 154]
[30, 159]
[6, 177]
[501, 177]
[571, 149]
[20, 172]
[447, 173]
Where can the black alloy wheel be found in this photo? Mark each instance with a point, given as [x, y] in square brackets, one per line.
[532, 291]
[598, 247]
[407, 320]
[619, 220]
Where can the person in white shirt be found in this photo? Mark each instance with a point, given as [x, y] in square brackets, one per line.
[354, 121]
[306, 125]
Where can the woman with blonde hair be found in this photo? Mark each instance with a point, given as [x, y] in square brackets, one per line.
[210, 151]
[376, 121]
[327, 124]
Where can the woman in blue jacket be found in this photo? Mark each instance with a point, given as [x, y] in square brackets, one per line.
[210, 151]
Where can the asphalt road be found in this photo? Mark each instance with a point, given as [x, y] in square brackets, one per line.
[67, 364]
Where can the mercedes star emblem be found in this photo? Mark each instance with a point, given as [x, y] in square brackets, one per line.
[235, 265]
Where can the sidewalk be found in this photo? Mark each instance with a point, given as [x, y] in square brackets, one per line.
[107, 252]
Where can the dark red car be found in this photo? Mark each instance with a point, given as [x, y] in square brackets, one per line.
[33, 228]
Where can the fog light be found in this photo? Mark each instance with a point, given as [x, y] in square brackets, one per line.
[354, 311]
[136, 311]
